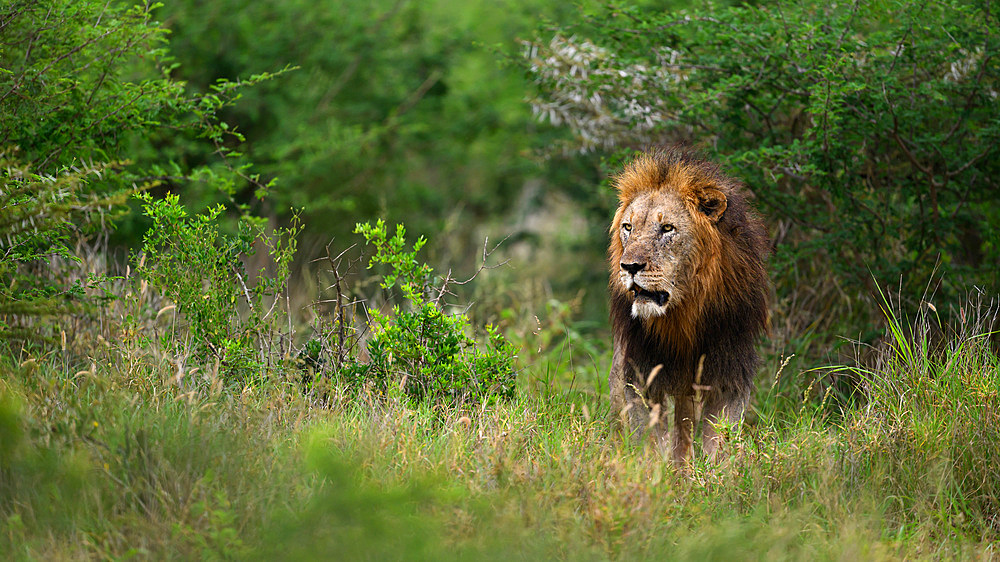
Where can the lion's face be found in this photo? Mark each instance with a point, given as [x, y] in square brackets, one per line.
[659, 247]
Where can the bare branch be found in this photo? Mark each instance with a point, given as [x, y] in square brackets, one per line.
[486, 255]
[974, 159]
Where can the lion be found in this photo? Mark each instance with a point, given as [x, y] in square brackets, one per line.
[688, 298]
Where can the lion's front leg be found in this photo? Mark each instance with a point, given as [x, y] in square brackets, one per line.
[724, 409]
[683, 426]
[627, 406]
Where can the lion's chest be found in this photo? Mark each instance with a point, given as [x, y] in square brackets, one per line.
[659, 367]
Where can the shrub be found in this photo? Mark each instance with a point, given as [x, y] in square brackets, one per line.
[201, 269]
[41, 216]
[419, 347]
[358, 131]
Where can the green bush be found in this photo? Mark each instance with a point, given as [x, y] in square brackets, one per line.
[868, 131]
[86, 101]
[419, 347]
[78, 78]
[201, 270]
[401, 110]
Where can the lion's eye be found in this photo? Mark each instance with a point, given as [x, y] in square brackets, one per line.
[626, 227]
[667, 228]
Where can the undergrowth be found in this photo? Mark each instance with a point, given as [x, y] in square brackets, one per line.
[122, 459]
[205, 421]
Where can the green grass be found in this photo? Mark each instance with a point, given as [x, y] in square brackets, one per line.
[120, 461]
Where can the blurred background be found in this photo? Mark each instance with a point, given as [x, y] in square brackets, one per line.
[867, 135]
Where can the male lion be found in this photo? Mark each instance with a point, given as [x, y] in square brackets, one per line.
[688, 297]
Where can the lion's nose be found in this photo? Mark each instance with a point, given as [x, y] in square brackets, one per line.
[633, 268]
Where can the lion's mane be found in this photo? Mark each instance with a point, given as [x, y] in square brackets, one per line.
[726, 304]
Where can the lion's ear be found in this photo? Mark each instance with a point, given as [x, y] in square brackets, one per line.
[712, 203]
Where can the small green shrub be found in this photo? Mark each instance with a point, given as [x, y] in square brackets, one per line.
[190, 261]
[419, 348]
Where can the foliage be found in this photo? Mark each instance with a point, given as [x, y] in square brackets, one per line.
[202, 271]
[40, 217]
[399, 109]
[91, 81]
[413, 277]
[235, 326]
[867, 130]
[85, 95]
[421, 349]
[66, 103]
[69, 90]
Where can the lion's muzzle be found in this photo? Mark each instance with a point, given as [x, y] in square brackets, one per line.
[631, 277]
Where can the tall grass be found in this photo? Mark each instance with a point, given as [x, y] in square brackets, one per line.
[122, 459]
[930, 427]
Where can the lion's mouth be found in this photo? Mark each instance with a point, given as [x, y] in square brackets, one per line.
[659, 297]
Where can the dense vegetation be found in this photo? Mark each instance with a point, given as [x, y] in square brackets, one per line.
[216, 342]
[867, 130]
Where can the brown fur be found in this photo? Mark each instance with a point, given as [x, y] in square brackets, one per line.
[696, 237]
